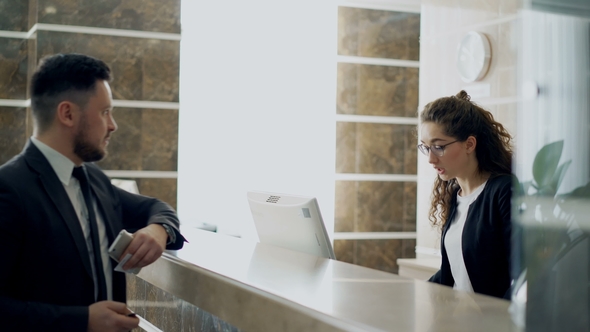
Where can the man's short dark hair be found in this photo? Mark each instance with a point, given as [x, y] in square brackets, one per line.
[62, 77]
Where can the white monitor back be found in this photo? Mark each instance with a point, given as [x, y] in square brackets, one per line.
[291, 222]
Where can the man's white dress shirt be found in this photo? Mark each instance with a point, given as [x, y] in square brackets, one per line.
[63, 168]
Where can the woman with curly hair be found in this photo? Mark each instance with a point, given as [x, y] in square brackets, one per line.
[472, 155]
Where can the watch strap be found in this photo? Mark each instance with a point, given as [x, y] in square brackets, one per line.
[171, 234]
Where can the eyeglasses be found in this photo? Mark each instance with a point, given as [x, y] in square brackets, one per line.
[438, 150]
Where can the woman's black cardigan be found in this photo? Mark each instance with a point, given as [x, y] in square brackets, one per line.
[486, 240]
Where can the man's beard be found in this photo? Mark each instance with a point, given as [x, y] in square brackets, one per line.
[84, 149]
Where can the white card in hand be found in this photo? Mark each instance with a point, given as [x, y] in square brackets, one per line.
[119, 266]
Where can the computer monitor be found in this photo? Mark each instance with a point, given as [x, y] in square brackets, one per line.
[291, 222]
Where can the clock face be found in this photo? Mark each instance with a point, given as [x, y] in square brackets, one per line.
[473, 56]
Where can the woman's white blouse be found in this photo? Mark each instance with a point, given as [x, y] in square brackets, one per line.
[453, 240]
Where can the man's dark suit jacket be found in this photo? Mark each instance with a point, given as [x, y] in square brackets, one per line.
[486, 240]
[46, 281]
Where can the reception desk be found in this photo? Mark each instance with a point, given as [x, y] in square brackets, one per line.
[217, 282]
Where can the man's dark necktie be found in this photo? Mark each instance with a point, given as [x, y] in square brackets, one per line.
[80, 174]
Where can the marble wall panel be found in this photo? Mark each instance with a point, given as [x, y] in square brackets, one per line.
[409, 207]
[163, 189]
[161, 70]
[32, 14]
[346, 147]
[379, 254]
[344, 250]
[377, 90]
[146, 15]
[347, 88]
[375, 254]
[14, 15]
[408, 248]
[164, 310]
[159, 140]
[125, 150]
[13, 68]
[136, 294]
[345, 206]
[380, 207]
[13, 123]
[169, 313]
[411, 150]
[372, 206]
[378, 33]
[143, 69]
[384, 149]
[29, 125]
[31, 62]
[195, 319]
[146, 139]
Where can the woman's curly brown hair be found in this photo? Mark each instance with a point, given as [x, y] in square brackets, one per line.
[460, 118]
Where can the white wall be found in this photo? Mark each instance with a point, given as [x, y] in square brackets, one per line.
[257, 107]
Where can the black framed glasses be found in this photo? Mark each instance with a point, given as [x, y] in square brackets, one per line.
[438, 150]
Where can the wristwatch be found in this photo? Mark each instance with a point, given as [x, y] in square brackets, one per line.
[171, 234]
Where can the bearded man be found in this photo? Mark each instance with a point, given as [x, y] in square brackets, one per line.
[60, 213]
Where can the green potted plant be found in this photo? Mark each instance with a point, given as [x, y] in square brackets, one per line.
[548, 230]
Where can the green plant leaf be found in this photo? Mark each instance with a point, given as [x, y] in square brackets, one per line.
[546, 162]
[559, 174]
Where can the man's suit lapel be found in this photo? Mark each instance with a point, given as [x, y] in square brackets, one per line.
[57, 194]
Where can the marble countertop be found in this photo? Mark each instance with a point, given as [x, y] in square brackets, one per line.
[260, 287]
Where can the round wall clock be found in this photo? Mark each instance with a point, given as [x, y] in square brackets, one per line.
[474, 56]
